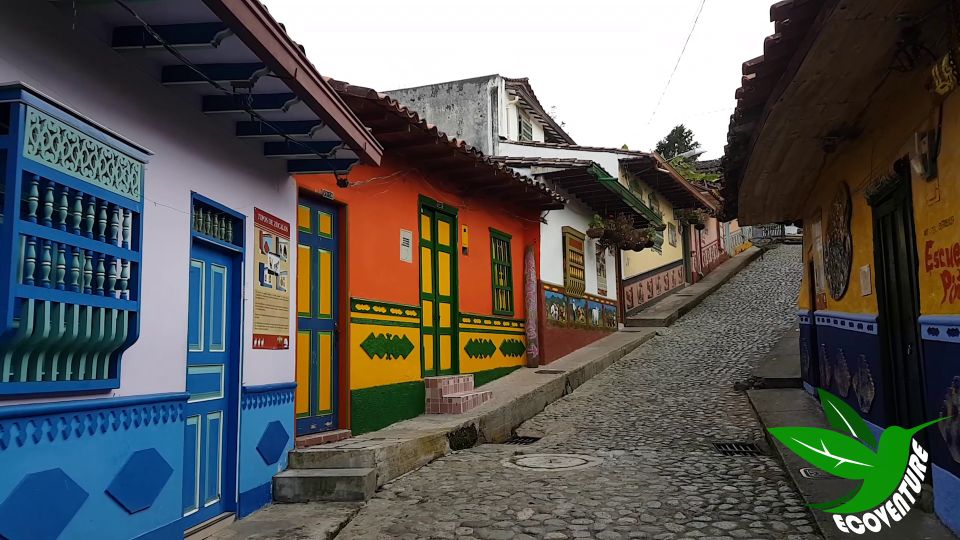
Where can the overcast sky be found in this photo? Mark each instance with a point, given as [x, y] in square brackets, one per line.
[602, 63]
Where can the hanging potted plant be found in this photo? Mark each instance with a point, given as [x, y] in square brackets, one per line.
[597, 227]
[693, 216]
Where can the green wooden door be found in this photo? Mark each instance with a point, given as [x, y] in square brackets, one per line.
[438, 290]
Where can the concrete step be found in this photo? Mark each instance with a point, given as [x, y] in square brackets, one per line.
[332, 458]
[310, 485]
[459, 402]
[315, 439]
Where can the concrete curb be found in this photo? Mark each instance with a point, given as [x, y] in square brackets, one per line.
[674, 306]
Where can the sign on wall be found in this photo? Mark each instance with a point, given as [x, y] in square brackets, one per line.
[271, 288]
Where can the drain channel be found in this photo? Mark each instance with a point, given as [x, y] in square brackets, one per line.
[737, 449]
[521, 441]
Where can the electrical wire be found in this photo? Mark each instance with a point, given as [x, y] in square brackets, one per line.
[242, 99]
[677, 65]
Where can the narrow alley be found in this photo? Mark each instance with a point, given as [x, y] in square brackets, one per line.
[651, 418]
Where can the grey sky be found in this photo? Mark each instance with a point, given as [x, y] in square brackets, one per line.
[602, 63]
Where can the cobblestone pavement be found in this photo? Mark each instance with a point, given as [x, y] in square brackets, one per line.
[651, 418]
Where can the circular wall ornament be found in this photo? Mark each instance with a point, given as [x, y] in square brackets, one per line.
[838, 251]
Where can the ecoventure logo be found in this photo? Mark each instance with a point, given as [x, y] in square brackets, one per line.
[892, 469]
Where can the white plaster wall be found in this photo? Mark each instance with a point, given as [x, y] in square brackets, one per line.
[610, 161]
[551, 249]
[192, 152]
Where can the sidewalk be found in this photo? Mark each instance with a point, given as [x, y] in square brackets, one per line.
[667, 311]
[786, 406]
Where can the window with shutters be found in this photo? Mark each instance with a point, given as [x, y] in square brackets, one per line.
[526, 128]
[70, 258]
[574, 269]
[502, 270]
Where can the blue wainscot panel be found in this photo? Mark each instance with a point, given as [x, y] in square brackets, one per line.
[809, 367]
[946, 498]
[266, 435]
[98, 468]
[850, 365]
[941, 370]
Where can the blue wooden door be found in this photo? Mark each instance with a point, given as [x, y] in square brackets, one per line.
[317, 260]
[209, 473]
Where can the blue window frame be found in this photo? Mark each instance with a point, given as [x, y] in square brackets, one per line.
[70, 248]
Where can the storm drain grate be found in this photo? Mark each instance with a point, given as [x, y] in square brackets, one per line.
[737, 449]
[521, 441]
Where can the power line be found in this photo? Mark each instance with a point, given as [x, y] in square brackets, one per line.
[679, 58]
[241, 99]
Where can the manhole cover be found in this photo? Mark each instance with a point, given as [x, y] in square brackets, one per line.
[737, 449]
[552, 462]
[816, 474]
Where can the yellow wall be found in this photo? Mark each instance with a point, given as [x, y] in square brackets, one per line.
[902, 107]
[635, 263]
[478, 332]
[372, 362]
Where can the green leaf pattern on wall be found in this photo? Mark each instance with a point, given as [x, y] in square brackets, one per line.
[513, 348]
[387, 346]
[480, 348]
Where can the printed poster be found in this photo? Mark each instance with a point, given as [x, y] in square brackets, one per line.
[271, 288]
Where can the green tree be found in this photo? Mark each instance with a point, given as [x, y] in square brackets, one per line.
[679, 140]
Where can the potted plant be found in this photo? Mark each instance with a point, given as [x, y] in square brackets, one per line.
[597, 227]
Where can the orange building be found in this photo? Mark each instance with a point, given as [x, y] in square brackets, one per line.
[415, 269]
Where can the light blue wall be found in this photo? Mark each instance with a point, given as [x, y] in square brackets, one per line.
[266, 434]
[90, 442]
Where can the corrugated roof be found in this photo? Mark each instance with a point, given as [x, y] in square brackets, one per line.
[402, 130]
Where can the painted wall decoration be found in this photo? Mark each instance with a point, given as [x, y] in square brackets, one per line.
[531, 299]
[950, 429]
[640, 290]
[490, 344]
[271, 288]
[556, 306]
[838, 251]
[588, 312]
[577, 310]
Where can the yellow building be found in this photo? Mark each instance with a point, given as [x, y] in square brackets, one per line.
[851, 128]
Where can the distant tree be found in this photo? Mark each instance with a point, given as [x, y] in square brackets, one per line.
[679, 140]
[625, 147]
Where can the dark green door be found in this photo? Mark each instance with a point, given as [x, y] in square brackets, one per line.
[438, 290]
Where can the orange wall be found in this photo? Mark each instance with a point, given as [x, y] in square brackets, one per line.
[385, 199]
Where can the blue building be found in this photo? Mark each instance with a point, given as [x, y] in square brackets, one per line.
[146, 373]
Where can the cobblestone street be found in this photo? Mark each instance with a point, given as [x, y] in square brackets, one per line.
[651, 418]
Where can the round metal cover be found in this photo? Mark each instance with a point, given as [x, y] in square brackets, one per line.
[552, 462]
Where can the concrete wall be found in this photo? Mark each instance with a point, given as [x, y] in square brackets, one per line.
[461, 109]
[191, 152]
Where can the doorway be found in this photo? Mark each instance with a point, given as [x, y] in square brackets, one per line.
[896, 261]
[438, 288]
[210, 416]
[316, 403]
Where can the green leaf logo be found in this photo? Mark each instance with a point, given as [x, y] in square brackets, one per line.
[852, 452]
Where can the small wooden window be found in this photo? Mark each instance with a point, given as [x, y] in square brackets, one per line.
[526, 128]
[574, 271]
[502, 272]
[655, 203]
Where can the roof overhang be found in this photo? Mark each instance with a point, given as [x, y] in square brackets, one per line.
[596, 188]
[663, 178]
[531, 105]
[828, 61]
[264, 81]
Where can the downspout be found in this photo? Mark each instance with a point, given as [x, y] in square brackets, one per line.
[621, 306]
